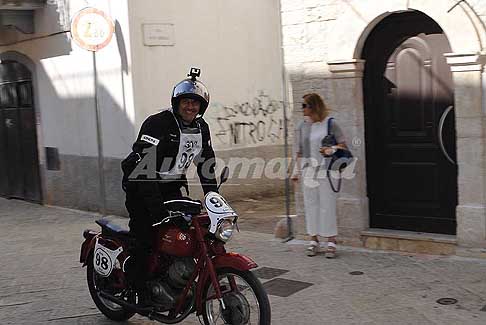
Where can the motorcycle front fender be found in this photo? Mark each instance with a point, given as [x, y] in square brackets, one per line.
[225, 261]
[235, 261]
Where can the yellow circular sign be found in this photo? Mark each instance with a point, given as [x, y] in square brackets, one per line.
[92, 29]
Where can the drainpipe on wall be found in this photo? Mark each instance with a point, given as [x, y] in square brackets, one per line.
[290, 233]
[482, 60]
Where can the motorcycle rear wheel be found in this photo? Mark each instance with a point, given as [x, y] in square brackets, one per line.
[110, 309]
[247, 305]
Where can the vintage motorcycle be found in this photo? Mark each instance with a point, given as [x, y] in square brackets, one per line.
[189, 266]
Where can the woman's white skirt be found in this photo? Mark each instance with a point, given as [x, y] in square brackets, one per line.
[319, 203]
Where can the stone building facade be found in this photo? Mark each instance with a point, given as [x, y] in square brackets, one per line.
[407, 81]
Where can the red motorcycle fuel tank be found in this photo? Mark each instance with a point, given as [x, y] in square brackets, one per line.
[173, 241]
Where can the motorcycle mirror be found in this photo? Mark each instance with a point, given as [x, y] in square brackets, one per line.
[224, 176]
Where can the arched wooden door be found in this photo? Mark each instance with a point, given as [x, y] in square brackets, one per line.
[19, 163]
[410, 130]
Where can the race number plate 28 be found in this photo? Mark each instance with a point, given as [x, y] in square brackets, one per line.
[104, 259]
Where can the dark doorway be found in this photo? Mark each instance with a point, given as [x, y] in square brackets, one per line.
[19, 163]
[408, 94]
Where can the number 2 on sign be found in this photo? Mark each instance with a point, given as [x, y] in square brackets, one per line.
[93, 31]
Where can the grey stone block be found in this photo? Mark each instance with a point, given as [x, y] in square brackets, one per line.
[471, 225]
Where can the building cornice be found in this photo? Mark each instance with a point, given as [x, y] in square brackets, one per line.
[347, 68]
[465, 61]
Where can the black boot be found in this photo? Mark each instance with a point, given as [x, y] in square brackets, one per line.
[136, 279]
[144, 296]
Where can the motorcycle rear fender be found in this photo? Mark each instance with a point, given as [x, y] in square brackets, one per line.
[87, 246]
[235, 261]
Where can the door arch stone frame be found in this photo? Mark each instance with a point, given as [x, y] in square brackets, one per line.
[27, 62]
[467, 64]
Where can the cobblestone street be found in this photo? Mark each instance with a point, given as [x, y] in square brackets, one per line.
[42, 282]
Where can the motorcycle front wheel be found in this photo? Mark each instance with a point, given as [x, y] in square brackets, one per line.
[244, 297]
[110, 309]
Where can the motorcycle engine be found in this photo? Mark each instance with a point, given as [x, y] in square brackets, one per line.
[166, 289]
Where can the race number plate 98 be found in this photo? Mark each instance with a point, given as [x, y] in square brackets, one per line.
[104, 259]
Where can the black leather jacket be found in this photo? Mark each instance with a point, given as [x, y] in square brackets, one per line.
[164, 133]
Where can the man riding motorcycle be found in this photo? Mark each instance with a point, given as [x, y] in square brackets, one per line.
[174, 138]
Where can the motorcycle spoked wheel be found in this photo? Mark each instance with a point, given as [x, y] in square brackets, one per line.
[249, 305]
[110, 309]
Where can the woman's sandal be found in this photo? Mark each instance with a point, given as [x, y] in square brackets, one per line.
[313, 249]
[331, 250]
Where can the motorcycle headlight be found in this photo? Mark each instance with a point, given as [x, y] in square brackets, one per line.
[225, 230]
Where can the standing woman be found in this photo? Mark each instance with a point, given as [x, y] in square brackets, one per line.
[319, 199]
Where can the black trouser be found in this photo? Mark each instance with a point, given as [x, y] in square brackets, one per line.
[141, 220]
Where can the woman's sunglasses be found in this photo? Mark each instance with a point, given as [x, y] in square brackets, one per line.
[304, 105]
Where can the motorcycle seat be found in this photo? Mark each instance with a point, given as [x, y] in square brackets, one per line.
[185, 205]
[112, 229]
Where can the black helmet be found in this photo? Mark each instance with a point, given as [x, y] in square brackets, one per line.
[191, 88]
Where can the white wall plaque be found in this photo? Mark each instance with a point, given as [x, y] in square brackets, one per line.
[158, 34]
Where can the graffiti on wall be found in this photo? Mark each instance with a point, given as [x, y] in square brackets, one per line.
[257, 122]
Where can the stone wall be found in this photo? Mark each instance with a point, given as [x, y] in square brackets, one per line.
[322, 45]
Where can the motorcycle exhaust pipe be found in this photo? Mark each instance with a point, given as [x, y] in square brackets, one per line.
[148, 312]
[128, 306]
